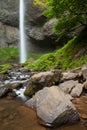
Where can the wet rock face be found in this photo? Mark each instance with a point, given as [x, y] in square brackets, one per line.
[44, 31]
[40, 37]
[9, 12]
[9, 22]
[38, 29]
[43, 36]
[34, 13]
[41, 40]
[9, 36]
[53, 107]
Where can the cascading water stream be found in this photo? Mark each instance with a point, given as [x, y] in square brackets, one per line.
[23, 54]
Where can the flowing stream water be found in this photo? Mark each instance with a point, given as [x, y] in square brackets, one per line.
[23, 54]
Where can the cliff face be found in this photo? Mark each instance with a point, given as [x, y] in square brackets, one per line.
[9, 36]
[9, 12]
[9, 33]
[38, 29]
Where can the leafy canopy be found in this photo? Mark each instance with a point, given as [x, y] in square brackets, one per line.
[42, 3]
[70, 13]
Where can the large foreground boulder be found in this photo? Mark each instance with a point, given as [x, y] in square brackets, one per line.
[53, 107]
[42, 79]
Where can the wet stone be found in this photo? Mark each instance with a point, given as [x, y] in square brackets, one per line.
[17, 85]
[4, 92]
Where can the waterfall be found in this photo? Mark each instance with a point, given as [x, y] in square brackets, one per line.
[23, 54]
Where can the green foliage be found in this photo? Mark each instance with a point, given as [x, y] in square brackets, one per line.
[41, 3]
[9, 55]
[35, 56]
[45, 62]
[63, 58]
[70, 13]
[4, 68]
[80, 61]
[27, 64]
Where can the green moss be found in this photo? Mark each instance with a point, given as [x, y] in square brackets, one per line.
[4, 68]
[9, 55]
[64, 57]
[35, 56]
[80, 61]
[44, 62]
[29, 92]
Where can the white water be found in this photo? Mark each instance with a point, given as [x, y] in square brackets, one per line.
[23, 54]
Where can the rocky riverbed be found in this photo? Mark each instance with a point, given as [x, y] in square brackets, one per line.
[15, 116]
[14, 111]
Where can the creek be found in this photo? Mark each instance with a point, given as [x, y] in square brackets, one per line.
[14, 115]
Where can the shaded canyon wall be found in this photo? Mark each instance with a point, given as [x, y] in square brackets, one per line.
[38, 29]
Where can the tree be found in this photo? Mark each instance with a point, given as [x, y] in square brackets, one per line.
[41, 3]
[70, 14]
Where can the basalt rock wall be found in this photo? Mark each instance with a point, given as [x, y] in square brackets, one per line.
[38, 29]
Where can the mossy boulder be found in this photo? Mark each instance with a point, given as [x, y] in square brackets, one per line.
[41, 80]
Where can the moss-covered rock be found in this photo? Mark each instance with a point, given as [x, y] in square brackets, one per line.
[72, 55]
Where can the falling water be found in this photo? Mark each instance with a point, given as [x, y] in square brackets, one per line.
[22, 33]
